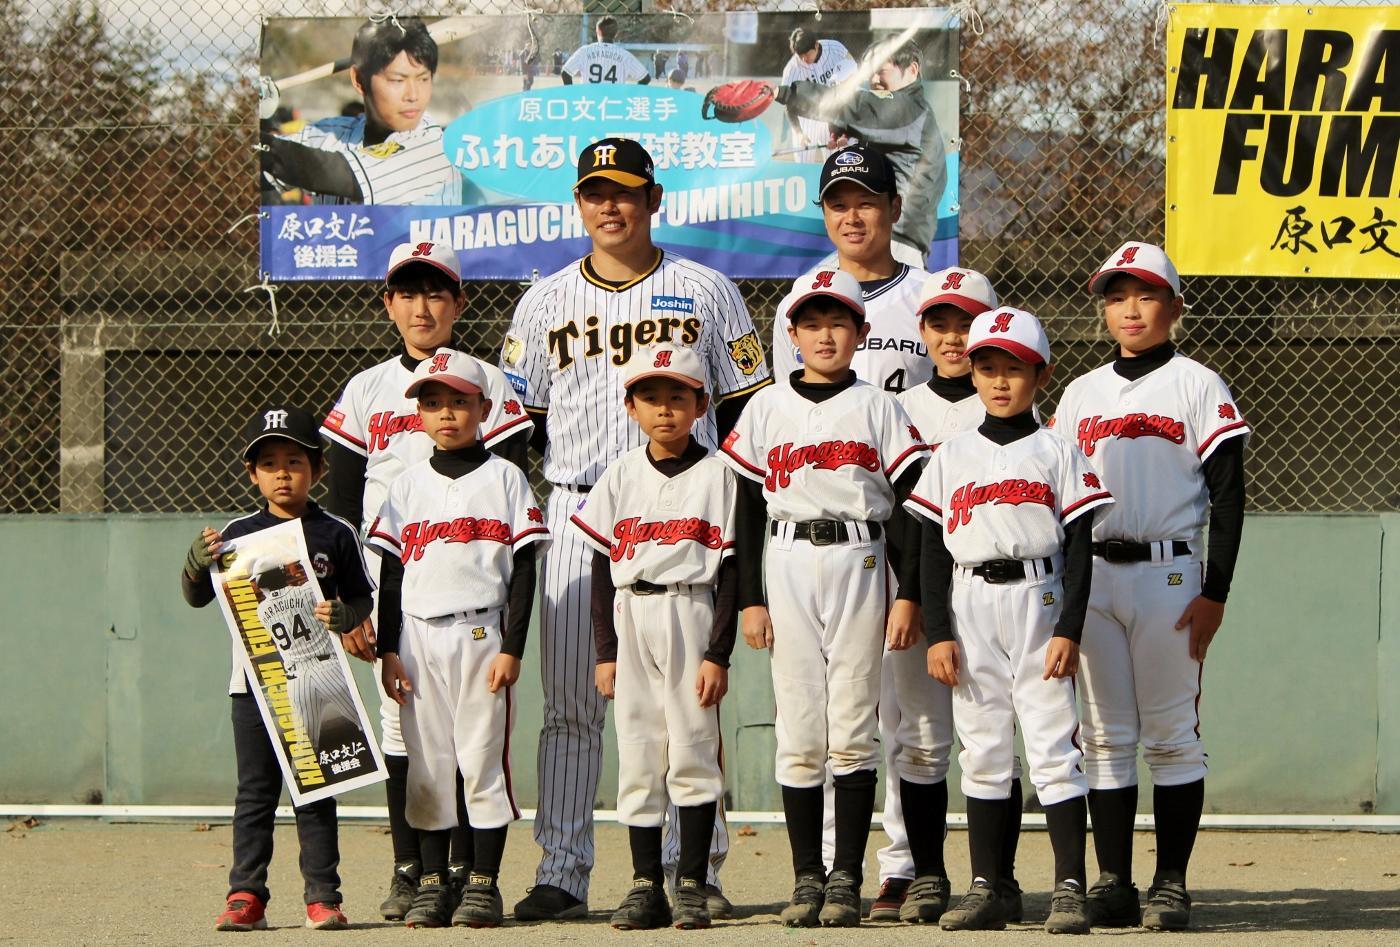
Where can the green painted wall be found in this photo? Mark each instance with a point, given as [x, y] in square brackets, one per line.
[114, 688]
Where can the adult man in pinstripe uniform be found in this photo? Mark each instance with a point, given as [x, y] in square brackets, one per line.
[572, 335]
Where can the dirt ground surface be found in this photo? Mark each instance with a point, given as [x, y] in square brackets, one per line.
[86, 882]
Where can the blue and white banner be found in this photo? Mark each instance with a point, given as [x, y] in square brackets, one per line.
[495, 181]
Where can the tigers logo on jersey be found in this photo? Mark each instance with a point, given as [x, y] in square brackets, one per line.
[1015, 491]
[1092, 430]
[746, 352]
[382, 150]
[783, 461]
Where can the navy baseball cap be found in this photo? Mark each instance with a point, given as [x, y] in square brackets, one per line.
[862, 164]
[281, 420]
[617, 159]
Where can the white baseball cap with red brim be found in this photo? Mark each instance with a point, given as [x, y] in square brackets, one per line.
[1014, 331]
[836, 284]
[969, 290]
[457, 370]
[440, 255]
[666, 361]
[1146, 261]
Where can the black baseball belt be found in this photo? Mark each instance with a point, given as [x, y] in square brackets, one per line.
[825, 532]
[643, 587]
[1123, 550]
[999, 571]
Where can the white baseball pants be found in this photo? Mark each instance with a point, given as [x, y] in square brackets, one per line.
[452, 721]
[828, 606]
[668, 746]
[1139, 682]
[1003, 631]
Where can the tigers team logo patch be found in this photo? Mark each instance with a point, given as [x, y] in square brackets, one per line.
[1174, 578]
[382, 150]
[746, 352]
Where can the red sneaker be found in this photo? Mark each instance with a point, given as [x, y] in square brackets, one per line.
[244, 912]
[890, 899]
[324, 916]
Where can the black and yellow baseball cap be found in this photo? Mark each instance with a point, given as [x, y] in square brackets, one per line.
[617, 159]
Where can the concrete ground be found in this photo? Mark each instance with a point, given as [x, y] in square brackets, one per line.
[85, 882]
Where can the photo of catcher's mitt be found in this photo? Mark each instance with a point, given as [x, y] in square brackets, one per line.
[737, 101]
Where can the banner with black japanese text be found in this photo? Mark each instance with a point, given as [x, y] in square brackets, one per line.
[467, 130]
[1283, 126]
[266, 587]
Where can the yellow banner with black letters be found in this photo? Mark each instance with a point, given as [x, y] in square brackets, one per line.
[1283, 126]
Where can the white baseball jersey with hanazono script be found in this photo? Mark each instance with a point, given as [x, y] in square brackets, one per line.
[1148, 440]
[375, 420]
[661, 529]
[837, 459]
[893, 356]
[406, 168]
[1009, 501]
[571, 338]
[456, 537]
[833, 64]
[604, 62]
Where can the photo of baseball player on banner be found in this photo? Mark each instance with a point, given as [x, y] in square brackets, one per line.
[466, 131]
[302, 682]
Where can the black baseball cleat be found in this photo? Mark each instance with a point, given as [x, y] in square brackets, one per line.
[429, 904]
[717, 904]
[926, 900]
[841, 901]
[1112, 902]
[478, 903]
[979, 910]
[456, 882]
[1067, 913]
[1168, 905]
[643, 909]
[402, 887]
[1009, 895]
[549, 903]
[691, 912]
[806, 904]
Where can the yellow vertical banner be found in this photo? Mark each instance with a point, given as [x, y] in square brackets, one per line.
[1283, 126]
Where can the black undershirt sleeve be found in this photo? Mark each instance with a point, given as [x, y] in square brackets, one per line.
[520, 598]
[726, 613]
[390, 602]
[538, 437]
[601, 605]
[903, 540]
[315, 169]
[199, 590]
[565, 78]
[727, 414]
[936, 575]
[514, 449]
[1224, 473]
[1079, 568]
[644, 80]
[345, 483]
[750, 522]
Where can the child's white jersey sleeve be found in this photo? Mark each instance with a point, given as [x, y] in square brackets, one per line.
[661, 529]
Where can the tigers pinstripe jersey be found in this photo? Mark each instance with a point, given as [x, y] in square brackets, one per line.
[572, 335]
[406, 168]
[893, 357]
[375, 420]
[834, 64]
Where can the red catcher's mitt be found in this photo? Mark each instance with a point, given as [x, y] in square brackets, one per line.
[737, 101]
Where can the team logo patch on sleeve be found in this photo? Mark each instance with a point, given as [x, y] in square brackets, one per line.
[1092, 481]
[512, 349]
[522, 387]
[746, 352]
[382, 150]
[336, 417]
[1226, 411]
[673, 303]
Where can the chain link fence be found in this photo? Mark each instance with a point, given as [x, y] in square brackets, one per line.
[134, 348]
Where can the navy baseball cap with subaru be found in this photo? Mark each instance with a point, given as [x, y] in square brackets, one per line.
[862, 164]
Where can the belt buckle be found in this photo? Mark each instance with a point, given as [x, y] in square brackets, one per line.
[996, 572]
[647, 588]
[1115, 551]
[821, 532]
